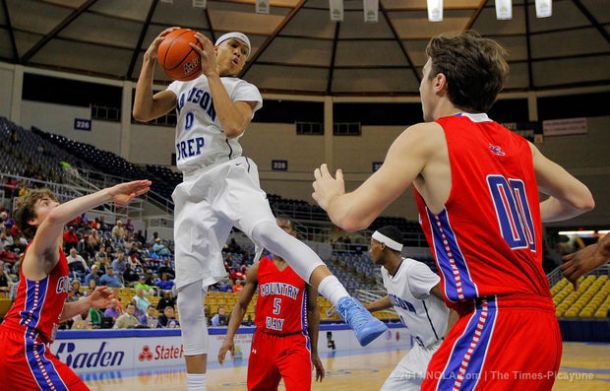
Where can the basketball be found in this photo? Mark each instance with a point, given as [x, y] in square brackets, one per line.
[177, 58]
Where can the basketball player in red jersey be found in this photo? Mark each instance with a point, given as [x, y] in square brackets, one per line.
[287, 320]
[476, 185]
[26, 362]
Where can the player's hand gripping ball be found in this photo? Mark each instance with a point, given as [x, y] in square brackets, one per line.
[177, 58]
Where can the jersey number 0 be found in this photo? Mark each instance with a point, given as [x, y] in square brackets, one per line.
[513, 211]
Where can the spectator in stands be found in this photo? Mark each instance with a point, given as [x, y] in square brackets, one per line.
[168, 319]
[93, 242]
[95, 317]
[159, 248]
[119, 263]
[110, 280]
[141, 301]
[221, 318]
[91, 285]
[238, 287]
[76, 263]
[142, 284]
[168, 300]
[127, 319]
[165, 283]
[76, 288]
[118, 231]
[6, 240]
[93, 275]
[130, 276]
[167, 269]
[133, 259]
[150, 319]
[70, 238]
[5, 280]
[80, 322]
[113, 311]
[101, 256]
[140, 237]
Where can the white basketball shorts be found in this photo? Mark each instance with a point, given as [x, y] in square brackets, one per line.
[411, 370]
[208, 203]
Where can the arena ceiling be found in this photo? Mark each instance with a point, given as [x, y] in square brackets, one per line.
[297, 49]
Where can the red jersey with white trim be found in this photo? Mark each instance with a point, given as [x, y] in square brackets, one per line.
[39, 304]
[487, 240]
[281, 307]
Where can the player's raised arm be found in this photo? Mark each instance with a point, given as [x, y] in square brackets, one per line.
[234, 117]
[147, 106]
[380, 304]
[43, 253]
[238, 313]
[569, 196]
[405, 160]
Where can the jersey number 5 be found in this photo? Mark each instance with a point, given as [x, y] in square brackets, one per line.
[277, 306]
[513, 211]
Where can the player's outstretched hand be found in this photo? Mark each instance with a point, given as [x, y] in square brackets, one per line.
[207, 51]
[153, 49]
[317, 363]
[326, 188]
[227, 346]
[586, 260]
[101, 297]
[124, 192]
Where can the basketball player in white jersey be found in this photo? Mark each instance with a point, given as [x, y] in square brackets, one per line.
[414, 292]
[221, 189]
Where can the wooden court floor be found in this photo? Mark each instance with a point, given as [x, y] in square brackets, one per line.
[584, 367]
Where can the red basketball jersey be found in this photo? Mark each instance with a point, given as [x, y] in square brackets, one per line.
[39, 304]
[487, 240]
[281, 307]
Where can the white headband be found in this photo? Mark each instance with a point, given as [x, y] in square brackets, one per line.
[381, 238]
[235, 35]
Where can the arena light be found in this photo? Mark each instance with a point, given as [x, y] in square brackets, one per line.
[336, 10]
[544, 8]
[435, 10]
[504, 9]
[199, 3]
[168, 1]
[262, 6]
[371, 10]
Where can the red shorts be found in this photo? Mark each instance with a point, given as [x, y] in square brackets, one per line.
[274, 357]
[502, 344]
[26, 363]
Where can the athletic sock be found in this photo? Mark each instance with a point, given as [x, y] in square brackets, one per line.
[196, 381]
[331, 288]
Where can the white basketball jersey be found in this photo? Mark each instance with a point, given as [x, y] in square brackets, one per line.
[424, 315]
[200, 140]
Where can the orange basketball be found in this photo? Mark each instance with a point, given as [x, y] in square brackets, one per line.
[177, 58]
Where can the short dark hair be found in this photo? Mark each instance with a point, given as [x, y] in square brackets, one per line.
[391, 232]
[475, 68]
[25, 211]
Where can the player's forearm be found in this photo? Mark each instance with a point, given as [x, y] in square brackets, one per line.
[66, 212]
[237, 316]
[231, 120]
[75, 308]
[313, 327]
[553, 209]
[379, 305]
[143, 101]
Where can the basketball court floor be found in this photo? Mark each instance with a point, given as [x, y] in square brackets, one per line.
[584, 367]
